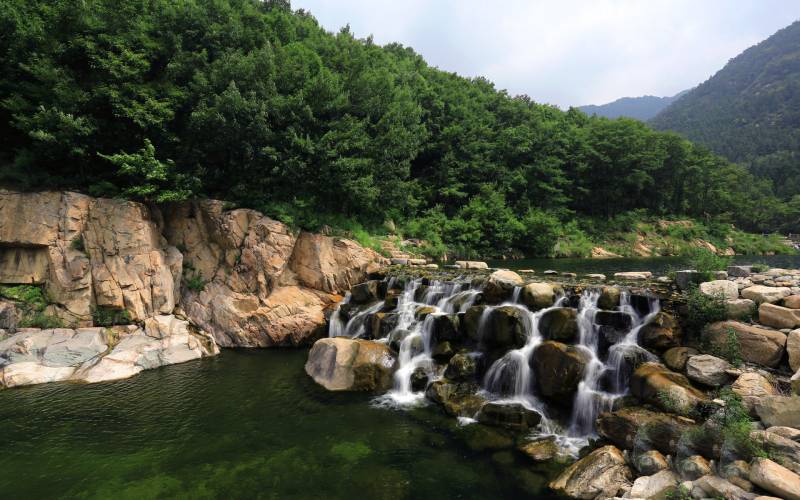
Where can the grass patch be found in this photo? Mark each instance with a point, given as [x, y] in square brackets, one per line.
[32, 302]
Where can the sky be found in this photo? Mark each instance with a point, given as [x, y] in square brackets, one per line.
[568, 52]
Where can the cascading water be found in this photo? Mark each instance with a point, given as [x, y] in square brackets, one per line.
[336, 327]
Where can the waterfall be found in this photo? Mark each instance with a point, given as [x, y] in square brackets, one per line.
[616, 355]
[336, 326]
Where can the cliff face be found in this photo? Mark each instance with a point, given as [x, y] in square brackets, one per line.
[253, 281]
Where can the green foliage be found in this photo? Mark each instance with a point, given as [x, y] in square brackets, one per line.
[735, 425]
[679, 493]
[78, 244]
[707, 262]
[760, 267]
[110, 316]
[731, 350]
[32, 301]
[192, 278]
[573, 242]
[702, 309]
[670, 404]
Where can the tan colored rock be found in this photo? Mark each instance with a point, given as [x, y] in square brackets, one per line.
[757, 345]
[752, 387]
[632, 426]
[739, 308]
[676, 357]
[694, 467]
[342, 364]
[708, 370]
[500, 285]
[537, 296]
[602, 253]
[653, 382]
[775, 478]
[609, 297]
[651, 462]
[760, 293]
[779, 410]
[720, 288]
[634, 275]
[778, 317]
[715, 487]
[659, 486]
[600, 474]
[792, 302]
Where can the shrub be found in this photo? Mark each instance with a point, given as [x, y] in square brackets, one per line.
[195, 282]
[702, 309]
[731, 350]
[760, 267]
[707, 262]
[77, 244]
[33, 302]
[735, 425]
[110, 316]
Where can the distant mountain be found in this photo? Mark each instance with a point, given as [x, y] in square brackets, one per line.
[750, 110]
[642, 108]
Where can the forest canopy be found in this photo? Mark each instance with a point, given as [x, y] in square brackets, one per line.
[256, 104]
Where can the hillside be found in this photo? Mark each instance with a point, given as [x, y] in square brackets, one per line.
[640, 108]
[749, 111]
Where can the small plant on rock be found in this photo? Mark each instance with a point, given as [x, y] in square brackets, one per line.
[33, 302]
[707, 262]
[110, 316]
[731, 350]
[702, 309]
[78, 244]
[735, 425]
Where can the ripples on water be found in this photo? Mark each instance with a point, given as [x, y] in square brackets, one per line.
[247, 424]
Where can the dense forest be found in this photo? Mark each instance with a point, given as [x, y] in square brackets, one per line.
[749, 111]
[253, 103]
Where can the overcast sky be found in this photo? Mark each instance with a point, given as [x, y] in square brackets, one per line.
[568, 52]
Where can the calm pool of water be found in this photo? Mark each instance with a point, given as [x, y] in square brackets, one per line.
[247, 424]
[656, 265]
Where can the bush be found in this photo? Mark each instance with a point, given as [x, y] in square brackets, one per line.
[702, 309]
[735, 425]
[707, 262]
[33, 302]
[539, 234]
[77, 244]
[573, 242]
[195, 282]
[731, 350]
[110, 316]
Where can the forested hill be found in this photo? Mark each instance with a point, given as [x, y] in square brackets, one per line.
[253, 103]
[641, 108]
[749, 111]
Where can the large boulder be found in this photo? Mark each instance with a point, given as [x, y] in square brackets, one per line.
[775, 478]
[511, 415]
[793, 349]
[458, 399]
[602, 473]
[461, 367]
[650, 462]
[656, 384]
[342, 364]
[365, 293]
[659, 486]
[472, 323]
[708, 370]
[558, 368]
[693, 467]
[500, 286]
[631, 426]
[537, 296]
[720, 288]
[446, 327]
[609, 297]
[506, 328]
[559, 324]
[739, 308]
[677, 357]
[779, 448]
[751, 387]
[770, 294]
[792, 302]
[777, 316]
[661, 333]
[711, 486]
[779, 410]
[756, 345]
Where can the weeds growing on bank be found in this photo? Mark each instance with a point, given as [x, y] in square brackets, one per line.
[33, 302]
[702, 310]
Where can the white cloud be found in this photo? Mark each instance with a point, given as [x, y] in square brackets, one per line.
[568, 52]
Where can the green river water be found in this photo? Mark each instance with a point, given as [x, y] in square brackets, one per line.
[247, 424]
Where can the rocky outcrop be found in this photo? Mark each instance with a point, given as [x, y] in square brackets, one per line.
[634, 426]
[656, 384]
[602, 473]
[342, 364]
[757, 345]
[775, 478]
[559, 368]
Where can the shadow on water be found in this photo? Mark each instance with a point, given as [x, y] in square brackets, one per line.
[247, 424]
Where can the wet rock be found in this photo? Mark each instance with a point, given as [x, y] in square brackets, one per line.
[657, 385]
[779, 410]
[365, 293]
[446, 327]
[510, 415]
[423, 311]
[471, 322]
[609, 297]
[775, 478]
[720, 288]
[629, 426]
[537, 296]
[419, 379]
[708, 370]
[614, 320]
[770, 294]
[676, 357]
[740, 308]
[506, 328]
[541, 450]
[483, 438]
[559, 324]
[661, 333]
[693, 467]
[558, 368]
[650, 462]
[342, 364]
[601, 474]
[687, 278]
[457, 399]
[757, 345]
[778, 317]
[381, 324]
[659, 486]
[462, 367]
[752, 387]
[442, 351]
[500, 286]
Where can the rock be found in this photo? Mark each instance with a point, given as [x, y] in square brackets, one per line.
[472, 320]
[462, 367]
[659, 486]
[786, 432]
[601, 474]
[739, 271]
[628, 426]
[752, 387]
[500, 286]
[446, 327]
[740, 308]
[550, 272]
[457, 399]
[650, 462]
[510, 415]
[775, 478]
[676, 357]
[778, 317]
[708, 370]
[779, 410]
[770, 294]
[602, 253]
[634, 275]
[482, 438]
[778, 448]
[609, 297]
[506, 328]
[471, 264]
[596, 276]
[343, 364]
[537, 296]
[560, 324]
[9, 315]
[365, 293]
[419, 379]
[693, 467]
[655, 384]
[716, 487]
[756, 345]
[792, 302]
[661, 333]
[541, 450]
[442, 351]
[720, 288]
[558, 368]
[399, 262]
[615, 320]
[687, 278]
